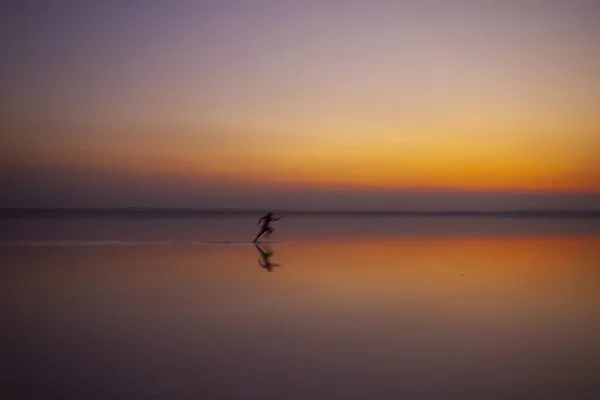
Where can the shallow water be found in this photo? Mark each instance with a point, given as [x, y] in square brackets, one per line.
[341, 308]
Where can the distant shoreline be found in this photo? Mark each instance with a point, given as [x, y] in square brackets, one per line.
[190, 212]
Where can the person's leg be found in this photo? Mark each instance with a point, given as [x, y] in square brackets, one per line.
[263, 230]
[269, 231]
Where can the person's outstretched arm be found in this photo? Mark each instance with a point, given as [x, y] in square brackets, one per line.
[259, 221]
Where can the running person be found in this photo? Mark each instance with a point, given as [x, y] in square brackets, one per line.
[266, 227]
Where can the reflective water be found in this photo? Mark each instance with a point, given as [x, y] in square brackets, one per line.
[342, 308]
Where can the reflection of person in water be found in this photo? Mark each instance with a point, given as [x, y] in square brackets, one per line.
[266, 225]
[266, 255]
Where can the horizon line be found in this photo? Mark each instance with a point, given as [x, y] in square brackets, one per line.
[24, 211]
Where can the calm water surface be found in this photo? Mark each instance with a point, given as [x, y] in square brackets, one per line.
[339, 308]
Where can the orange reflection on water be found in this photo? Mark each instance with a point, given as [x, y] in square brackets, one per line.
[457, 275]
[403, 314]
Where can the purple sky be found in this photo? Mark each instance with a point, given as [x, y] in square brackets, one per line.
[426, 104]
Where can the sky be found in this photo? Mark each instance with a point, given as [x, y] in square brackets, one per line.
[373, 104]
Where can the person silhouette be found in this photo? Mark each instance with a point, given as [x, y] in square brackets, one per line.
[266, 255]
[266, 225]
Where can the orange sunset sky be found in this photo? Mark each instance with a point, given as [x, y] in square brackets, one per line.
[431, 104]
